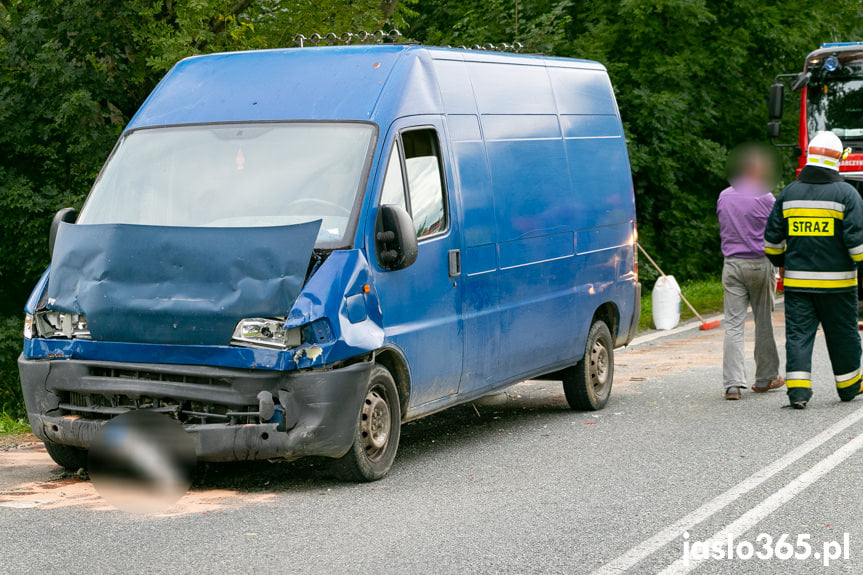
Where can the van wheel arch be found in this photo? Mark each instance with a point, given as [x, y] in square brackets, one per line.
[394, 361]
[609, 314]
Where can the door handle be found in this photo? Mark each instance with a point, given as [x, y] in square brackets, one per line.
[454, 263]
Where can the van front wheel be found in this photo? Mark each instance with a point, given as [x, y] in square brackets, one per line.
[376, 438]
[587, 385]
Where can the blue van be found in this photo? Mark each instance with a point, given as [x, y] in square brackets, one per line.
[291, 252]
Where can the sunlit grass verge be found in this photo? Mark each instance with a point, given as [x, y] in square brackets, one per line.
[704, 295]
[12, 426]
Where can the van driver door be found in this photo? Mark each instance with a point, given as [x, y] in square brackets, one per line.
[421, 304]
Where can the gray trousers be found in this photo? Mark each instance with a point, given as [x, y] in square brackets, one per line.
[749, 282]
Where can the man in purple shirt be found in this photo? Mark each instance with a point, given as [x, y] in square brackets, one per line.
[747, 275]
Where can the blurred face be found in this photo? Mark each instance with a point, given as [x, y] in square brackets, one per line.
[757, 168]
[754, 163]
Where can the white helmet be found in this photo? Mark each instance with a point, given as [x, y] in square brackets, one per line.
[825, 151]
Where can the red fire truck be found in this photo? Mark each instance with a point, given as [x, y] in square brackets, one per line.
[831, 98]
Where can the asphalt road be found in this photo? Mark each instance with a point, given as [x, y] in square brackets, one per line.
[514, 483]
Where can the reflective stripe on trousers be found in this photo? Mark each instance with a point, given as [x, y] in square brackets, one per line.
[821, 280]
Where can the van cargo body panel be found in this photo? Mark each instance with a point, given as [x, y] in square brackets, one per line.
[544, 180]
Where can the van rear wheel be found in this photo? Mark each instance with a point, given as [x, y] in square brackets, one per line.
[587, 385]
[376, 439]
[72, 458]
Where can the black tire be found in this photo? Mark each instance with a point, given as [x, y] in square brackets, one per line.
[376, 439]
[72, 458]
[587, 385]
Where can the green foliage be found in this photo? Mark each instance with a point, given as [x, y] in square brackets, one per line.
[13, 426]
[11, 338]
[541, 25]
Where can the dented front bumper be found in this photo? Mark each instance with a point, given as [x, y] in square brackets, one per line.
[316, 411]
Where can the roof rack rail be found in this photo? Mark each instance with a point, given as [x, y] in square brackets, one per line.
[504, 47]
[361, 37]
[384, 37]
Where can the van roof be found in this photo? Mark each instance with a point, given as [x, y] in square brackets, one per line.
[324, 83]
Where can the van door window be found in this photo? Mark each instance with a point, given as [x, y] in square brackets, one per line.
[394, 187]
[425, 183]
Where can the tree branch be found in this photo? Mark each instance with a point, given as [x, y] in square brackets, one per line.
[217, 26]
[388, 8]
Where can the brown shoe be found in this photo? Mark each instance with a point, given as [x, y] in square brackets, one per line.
[732, 393]
[775, 384]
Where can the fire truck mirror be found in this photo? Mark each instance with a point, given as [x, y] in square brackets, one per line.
[774, 101]
[773, 130]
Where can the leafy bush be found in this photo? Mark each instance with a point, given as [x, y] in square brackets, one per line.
[11, 425]
[11, 401]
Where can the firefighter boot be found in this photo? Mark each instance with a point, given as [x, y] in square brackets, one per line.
[799, 396]
[850, 390]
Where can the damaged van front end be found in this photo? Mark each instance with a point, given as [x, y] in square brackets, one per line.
[211, 277]
[240, 396]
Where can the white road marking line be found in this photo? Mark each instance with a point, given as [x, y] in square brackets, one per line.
[676, 529]
[752, 517]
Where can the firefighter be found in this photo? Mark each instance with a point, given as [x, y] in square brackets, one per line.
[815, 231]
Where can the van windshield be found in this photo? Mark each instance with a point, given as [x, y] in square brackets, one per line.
[235, 175]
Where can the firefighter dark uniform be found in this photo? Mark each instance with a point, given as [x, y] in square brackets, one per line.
[815, 232]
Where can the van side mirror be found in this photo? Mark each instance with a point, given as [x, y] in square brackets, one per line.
[775, 101]
[773, 130]
[395, 238]
[66, 215]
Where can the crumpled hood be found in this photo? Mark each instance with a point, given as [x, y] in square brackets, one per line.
[176, 285]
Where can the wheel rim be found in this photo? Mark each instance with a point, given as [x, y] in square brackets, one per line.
[375, 423]
[599, 367]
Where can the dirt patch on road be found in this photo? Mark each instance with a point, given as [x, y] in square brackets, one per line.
[8, 442]
[29, 479]
[691, 349]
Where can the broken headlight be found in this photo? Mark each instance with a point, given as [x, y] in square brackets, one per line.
[266, 332]
[28, 326]
[58, 324]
